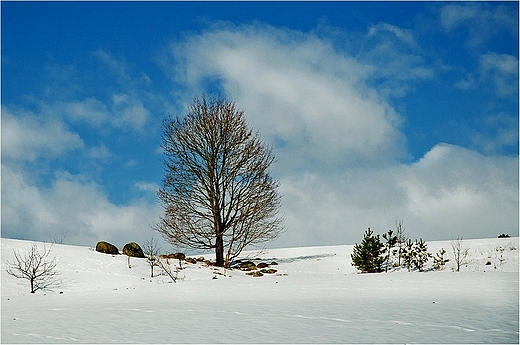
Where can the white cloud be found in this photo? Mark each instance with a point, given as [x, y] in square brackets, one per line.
[27, 137]
[501, 70]
[497, 132]
[129, 112]
[65, 203]
[89, 110]
[99, 153]
[339, 144]
[496, 72]
[298, 92]
[71, 205]
[71, 118]
[450, 192]
[117, 67]
[467, 83]
[453, 16]
[150, 187]
[337, 139]
[123, 111]
[482, 20]
[395, 58]
[403, 35]
[454, 191]
[131, 163]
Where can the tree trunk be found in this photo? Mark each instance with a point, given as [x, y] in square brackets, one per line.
[32, 286]
[219, 251]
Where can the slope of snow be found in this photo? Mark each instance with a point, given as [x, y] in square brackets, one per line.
[316, 296]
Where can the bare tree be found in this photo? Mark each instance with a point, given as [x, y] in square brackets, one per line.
[402, 238]
[38, 268]
[460, 253]
[217, 191]
[151, 251]
[168, 270]
[59, 238]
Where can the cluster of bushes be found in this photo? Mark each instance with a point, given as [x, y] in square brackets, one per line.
[378, 253]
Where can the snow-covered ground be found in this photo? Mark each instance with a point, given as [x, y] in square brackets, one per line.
[315, 296]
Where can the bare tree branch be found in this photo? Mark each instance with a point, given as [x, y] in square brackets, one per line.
[217, 189]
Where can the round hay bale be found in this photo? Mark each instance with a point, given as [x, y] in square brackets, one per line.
[133, 249]
[107, 248]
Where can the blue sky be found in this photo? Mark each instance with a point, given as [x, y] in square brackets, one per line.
[376, 112]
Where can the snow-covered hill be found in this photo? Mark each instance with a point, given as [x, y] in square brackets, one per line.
[315, 296]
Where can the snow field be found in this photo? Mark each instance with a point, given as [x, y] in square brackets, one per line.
[315, 297]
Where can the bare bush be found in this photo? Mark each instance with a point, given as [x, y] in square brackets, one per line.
[460, 253]
[59, 238]
[151, 251]
[165, 266]
[402, 238]
[38, 268]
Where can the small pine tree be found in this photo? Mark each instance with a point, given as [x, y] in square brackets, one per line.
[367, 255]
[408, 254]
[420, 254]
[391, 241]
[439, 261]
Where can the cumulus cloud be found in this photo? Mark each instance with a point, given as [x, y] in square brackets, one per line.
[497, 132]
[71, 205]
[450, 192]
[40, 201]
[453, 190]
[129, 112]
[299, 92]
[338, 140]
[27, 137]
